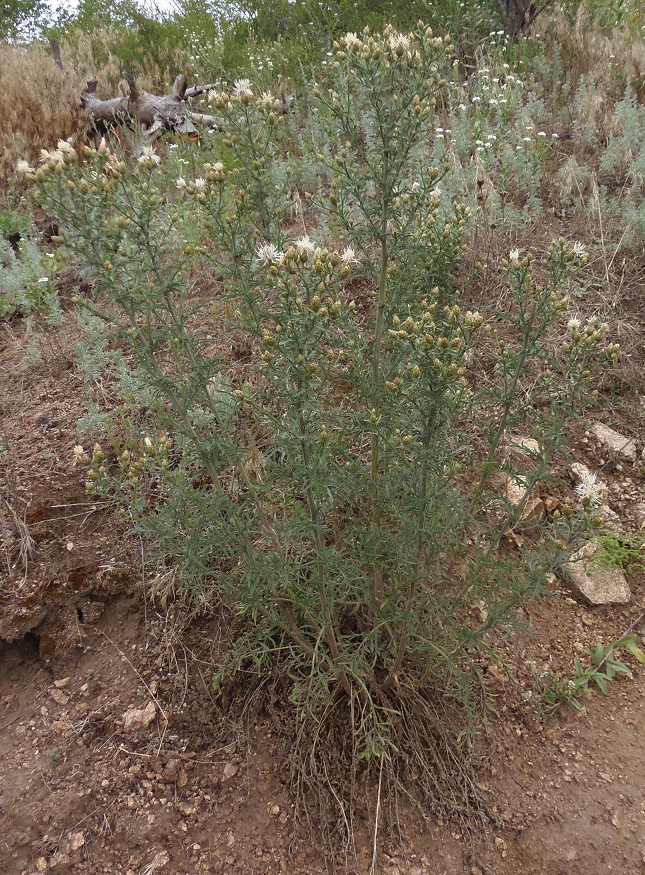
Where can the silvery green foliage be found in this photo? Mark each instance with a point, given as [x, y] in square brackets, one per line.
[25, 283]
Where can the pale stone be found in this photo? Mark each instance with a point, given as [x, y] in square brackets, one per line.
[61, 684]
[594, 583]
[76, 841]
[616, 442]
[523, 446]
[230, 769]
[534, 507]
[139, 718]
[639, 514]
[59, 697]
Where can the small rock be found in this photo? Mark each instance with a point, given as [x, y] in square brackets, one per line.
[523, 446]
[139, 718]
[158, 862]
[171, 770]
[534, 507]
[187, 808]
[61, 684]
[639, 514]
[76, 841]
[230, 769]
[59, 861]
[41, 864]
[615, 441]
[59, 697]
[594, 583]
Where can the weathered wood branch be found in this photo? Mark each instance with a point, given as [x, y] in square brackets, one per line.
[154, 114]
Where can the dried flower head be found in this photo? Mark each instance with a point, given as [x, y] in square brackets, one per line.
[514, 255]
[579, 250]
[23, 167]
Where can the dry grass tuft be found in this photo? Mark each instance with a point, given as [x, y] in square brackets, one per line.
[40, 105]
[609, 61]
[92, 56]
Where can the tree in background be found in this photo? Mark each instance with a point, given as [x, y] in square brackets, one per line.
[20, 18]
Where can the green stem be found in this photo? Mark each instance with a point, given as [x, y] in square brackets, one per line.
[318, 541]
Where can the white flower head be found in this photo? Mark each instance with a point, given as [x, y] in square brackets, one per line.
[267, 99]
[399, 43]
[43, 279]
[351, 41]
[65, 146]
[242, 86]
[579, 249]
[218, 167]
[149, 156]
[305, 244]
[349, 256]
[23, 167]
[589, 489]
[181, 182]
[573, 324]
[268, 254]
[514, 255]
[200, 183]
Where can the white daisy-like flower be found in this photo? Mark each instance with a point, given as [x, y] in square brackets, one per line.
[573, 324]
[579, 250]
[242, 86]
[181, 182]
[514, 255]
[349, 256]
[200, 183]
[269, 254]
[588, 489]
[218, 167]
[305, 244]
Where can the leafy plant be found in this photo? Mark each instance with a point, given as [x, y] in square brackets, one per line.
[625, 552]
[558, 692]
[341, 484]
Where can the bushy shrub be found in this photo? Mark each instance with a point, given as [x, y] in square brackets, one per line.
[342, 482]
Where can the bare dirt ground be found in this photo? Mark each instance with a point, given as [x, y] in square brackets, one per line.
[114, 755]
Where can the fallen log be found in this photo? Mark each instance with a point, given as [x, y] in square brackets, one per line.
[154, 114]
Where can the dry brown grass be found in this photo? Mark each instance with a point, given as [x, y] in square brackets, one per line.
[39, 106]
[609, 61]
[91, 55]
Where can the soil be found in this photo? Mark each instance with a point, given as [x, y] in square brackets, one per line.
[114, 754]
